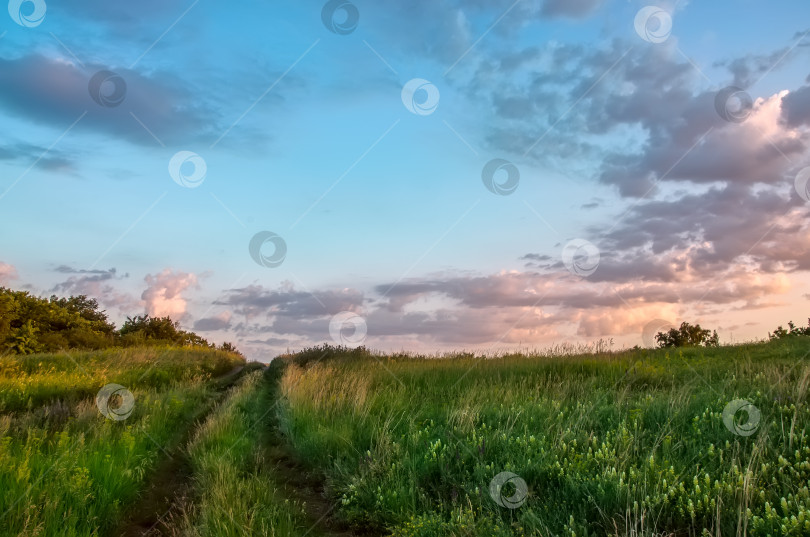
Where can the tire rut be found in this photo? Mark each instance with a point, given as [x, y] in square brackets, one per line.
[170, 483]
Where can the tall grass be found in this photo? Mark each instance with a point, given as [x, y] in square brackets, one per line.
[30, 381]
[65, 469]
[618, 444]
[235, 491]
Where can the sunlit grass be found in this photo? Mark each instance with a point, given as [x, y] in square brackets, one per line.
[30, 381]
[235, 492]
[628, 444]
[65, 469]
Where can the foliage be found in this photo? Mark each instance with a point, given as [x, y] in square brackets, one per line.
[792, 331]
[65, 469]
[145, 329]
[324, 353]
[30, 324]
[687, 335]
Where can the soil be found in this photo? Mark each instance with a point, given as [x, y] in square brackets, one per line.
[169, 485]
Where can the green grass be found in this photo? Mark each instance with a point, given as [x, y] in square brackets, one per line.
[234, 487]
[67, 470]
[618, 444]
[33, 380]
[611, 444]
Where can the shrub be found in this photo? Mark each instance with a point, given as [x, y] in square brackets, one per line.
[30, 324]
[325, 353]
[687, 335]
[792, 331]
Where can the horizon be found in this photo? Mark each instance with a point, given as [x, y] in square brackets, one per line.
[430, 177]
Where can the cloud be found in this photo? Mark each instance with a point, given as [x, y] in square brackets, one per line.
[122, 14]
[796, 107]
[53, 160]
[56, 92]
[7, 273]
[220, 321]
[570, 8]
[98, 284]
[255, 300]
[163, 296]
[509, 307]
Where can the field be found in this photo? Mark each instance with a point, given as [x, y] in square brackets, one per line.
[627, 444]
[66, 469]
[348, 442]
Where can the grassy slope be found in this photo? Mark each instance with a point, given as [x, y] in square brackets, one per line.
[610, 444]
[64, 468]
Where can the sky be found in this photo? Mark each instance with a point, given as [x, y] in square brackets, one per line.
[422, 176]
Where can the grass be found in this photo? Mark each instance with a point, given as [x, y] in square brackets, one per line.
[630, 443]
[620, 444]
[234, 486]
[33, 380]
[67, 470]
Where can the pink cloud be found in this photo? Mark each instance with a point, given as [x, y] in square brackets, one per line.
[7, 273]
[163, 296]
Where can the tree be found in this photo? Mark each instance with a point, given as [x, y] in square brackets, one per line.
[792, 331]
[25, 339]
[687, 335]
[229, 347]
[143, 329]
[30, 324]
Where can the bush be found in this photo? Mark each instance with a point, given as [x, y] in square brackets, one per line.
[325, 353]
[792, 331]
[687, 335]
[30, 324]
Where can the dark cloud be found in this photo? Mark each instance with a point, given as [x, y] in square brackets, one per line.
[796, 107]
[747, 70]
[66, 269]
[549, 101]
[287, 302]
[270, 342]
[121, 13]
[210, 324]
[75, 284]
[55, 92]
[569, 8]
[714, 230]
[98, 284]
[24, 153]
[518, 307]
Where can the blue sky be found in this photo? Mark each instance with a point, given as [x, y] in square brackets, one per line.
[304, 133]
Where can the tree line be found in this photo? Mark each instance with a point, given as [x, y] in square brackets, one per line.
[692, 335]
[31, 324]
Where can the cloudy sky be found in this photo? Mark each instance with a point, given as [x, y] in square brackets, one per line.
[426, 175]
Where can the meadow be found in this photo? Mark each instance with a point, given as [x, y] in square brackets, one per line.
[348, 442]
[631, 443]
[68, 470]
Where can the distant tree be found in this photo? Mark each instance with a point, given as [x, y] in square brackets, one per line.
[145, 329]
[229, 347]
[151, 328]
[687, 335]
[88, 309]
[33, 324]
[792, 331]
[30, 324]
